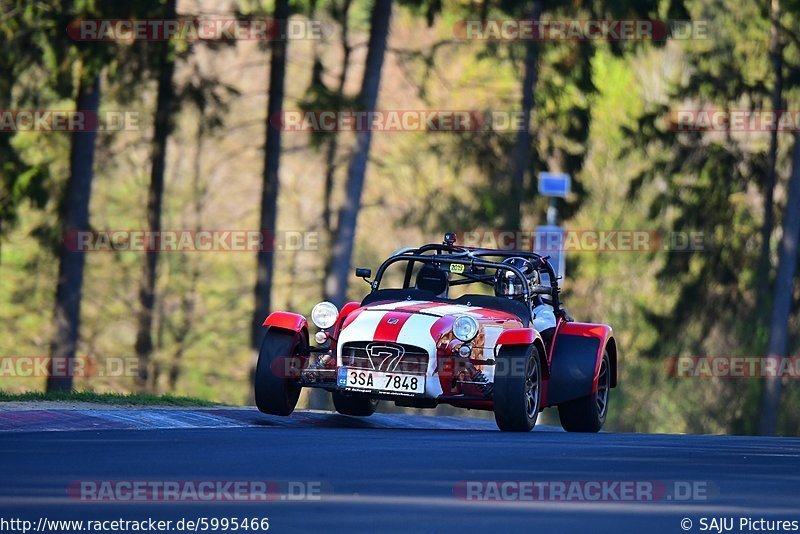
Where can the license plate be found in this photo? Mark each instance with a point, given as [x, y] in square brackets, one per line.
[362, 380]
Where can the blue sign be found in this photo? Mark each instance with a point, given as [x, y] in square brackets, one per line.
[341, 377]
[552, 184]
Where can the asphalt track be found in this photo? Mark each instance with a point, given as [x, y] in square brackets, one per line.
[394, 473]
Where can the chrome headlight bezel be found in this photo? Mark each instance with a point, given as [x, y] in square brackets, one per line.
[324, 315]
[465, 328]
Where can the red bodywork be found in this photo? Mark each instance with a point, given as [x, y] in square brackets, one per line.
[561, 359]
[563, 368]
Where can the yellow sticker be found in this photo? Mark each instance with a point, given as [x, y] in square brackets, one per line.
[456, 268]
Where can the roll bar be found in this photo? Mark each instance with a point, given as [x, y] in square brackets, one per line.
[471, 257]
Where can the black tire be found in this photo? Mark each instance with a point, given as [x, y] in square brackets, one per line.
[588, 414]
[277, 391]
[358, 405]
[517, 388]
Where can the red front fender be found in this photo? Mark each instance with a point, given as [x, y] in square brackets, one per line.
[602, 332]
[287, 321]
[525, 336]
[517, 336]
[347, 309]
[577, 352]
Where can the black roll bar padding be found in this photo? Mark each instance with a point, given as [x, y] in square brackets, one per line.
[542, 260]
[441, 247]
[407, 277]
[470, 257]
[471, 261]
[437, 247]
[471, 279]
[540, 289]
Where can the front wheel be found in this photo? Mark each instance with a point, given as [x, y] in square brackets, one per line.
[357, 405]
[276, 384]
[588, 414]
[517, 388]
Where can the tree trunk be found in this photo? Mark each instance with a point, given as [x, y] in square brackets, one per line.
[776, 58]
[521, 156]
[330, 155]
[147, 289]
[75, 216]
[336, 284]
[269, 195]
[5, 152]
[333, 143]
[782, 300]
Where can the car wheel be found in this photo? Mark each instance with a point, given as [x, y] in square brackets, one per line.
[588, 414]
[277, 391]
[517, 388]
[358, 405]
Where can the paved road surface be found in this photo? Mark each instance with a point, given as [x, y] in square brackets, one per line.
[403, 474]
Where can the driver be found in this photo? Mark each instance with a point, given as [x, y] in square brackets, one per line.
[508, 285]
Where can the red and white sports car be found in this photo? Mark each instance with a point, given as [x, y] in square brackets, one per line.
[513, 350]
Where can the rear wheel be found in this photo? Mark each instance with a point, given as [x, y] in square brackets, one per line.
[517, 388]
[588, 414]
[277, 389]
[358, 405]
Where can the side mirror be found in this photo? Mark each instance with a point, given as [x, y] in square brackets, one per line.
[363, 273]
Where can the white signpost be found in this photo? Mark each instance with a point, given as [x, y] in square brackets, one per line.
[550, 237]
[550, 242]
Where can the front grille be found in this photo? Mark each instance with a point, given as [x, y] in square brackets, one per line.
[387, 357]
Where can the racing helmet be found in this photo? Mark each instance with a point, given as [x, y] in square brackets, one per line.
[507, 283]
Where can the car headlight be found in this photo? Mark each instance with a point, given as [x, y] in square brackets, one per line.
[465, 328]
[324, 315]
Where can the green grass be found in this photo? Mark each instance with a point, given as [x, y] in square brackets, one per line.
[131, 399]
